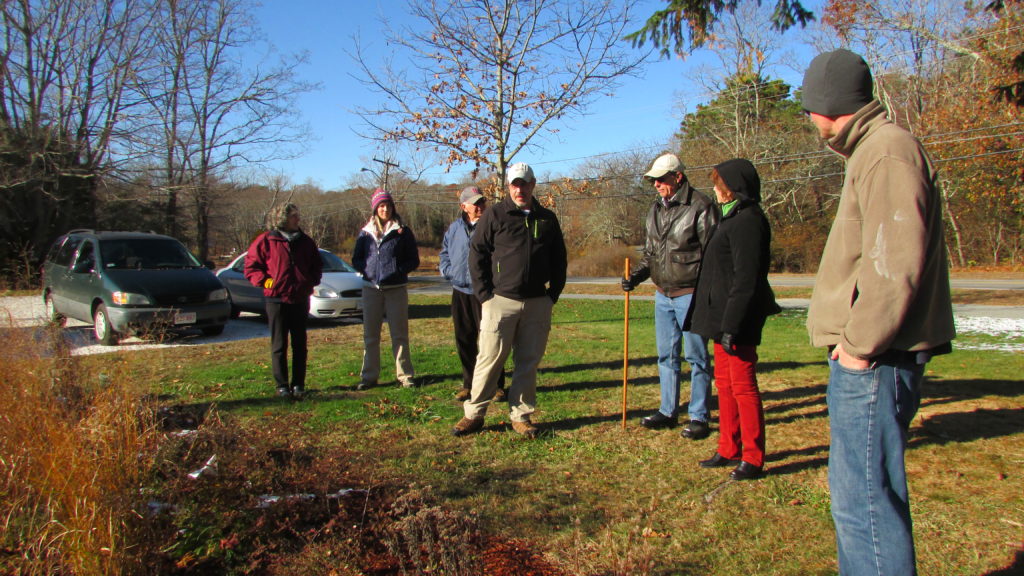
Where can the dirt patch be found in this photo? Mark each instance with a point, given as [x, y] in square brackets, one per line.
[230, 497]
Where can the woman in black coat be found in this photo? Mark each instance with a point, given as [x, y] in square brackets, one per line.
[730, 306]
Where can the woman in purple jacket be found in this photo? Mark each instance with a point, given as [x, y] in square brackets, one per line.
[385, 253]
[286, 264]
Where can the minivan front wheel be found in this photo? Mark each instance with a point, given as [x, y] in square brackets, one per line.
[51, 312]
[102, 328]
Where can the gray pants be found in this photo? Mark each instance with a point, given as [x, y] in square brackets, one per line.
[393, 300]
[517, 327]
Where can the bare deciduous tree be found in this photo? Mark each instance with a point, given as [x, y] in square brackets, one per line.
[64, 67]
[486, 77]
[215, 112]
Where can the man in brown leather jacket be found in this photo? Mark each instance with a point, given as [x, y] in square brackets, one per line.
[679, 227]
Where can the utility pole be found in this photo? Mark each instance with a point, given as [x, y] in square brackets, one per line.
[387, 166]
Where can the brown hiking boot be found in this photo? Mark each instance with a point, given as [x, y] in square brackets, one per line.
[526, 428]
[499, 395]
[462, 395]
[467, 426]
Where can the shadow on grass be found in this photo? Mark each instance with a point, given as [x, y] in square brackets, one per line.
[190, 416]
[819, 460]
[821, 413]
[970, 389]
[576, 423]
[795, 405]
[608, 365]
[1016, 568]
[596, 384]
[795, 392]
[767, 367]
[429, 311]
[978, 424]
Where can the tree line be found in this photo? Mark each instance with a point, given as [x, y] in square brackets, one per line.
[143, 114]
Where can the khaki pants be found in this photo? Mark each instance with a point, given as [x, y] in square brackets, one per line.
[519, 327]
[394, 301]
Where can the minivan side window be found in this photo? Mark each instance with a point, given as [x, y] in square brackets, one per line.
[67, 251]
[86, 261]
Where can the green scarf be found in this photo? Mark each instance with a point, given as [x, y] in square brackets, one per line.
[728, 206]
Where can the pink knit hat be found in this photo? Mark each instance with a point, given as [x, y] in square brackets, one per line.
[380, 195]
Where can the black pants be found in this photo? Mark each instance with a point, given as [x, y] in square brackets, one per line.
[288, 320]
[466, 315]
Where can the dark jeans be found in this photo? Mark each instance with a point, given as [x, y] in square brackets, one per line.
[466, 316]
[288, 320]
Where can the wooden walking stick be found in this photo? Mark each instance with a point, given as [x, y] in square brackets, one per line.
[625, 352]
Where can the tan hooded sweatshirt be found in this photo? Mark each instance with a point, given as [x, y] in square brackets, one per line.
[883, 282]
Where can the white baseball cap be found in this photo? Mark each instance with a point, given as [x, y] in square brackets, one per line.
[663, 165]
[520, 170]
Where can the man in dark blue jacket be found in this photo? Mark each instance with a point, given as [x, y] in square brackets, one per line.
[466, 309]
[517, 264]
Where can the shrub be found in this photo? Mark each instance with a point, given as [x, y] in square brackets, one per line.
[602, 260]
[797, 247]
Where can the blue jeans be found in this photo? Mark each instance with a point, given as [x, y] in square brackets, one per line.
[669, 315]
[869, 414]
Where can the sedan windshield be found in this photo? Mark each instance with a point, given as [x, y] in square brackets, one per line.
[146, 254]
[334, 264]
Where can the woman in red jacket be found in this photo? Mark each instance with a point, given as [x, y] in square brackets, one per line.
[286, 263]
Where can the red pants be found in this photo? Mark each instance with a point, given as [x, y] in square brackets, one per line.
[740, 412]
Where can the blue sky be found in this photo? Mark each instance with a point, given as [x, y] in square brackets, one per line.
[642, 114]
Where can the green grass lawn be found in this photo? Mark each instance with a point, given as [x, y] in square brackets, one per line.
[599, 499]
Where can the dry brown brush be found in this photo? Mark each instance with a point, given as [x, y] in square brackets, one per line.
[73, 443]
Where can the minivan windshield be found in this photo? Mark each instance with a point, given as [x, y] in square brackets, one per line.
[146, 254]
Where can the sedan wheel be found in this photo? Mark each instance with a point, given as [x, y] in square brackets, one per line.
[102, 328]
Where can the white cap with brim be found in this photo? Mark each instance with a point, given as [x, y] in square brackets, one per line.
[663, 165]
[522, 171]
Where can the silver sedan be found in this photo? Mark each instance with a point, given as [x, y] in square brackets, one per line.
[339, 293]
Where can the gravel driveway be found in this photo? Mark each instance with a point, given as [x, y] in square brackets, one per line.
[28, 311]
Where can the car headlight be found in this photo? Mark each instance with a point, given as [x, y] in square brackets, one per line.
[130, 299]
[218, 295]
[325, 293]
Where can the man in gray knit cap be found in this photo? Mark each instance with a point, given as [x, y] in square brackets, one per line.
[881, 306]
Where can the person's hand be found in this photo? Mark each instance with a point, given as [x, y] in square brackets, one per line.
[627, 284]
[849, 361]
[268, 283]
[728, 345]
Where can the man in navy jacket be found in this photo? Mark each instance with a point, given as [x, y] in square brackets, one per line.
[466, 309]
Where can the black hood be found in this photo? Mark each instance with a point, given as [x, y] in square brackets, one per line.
[741, 178]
